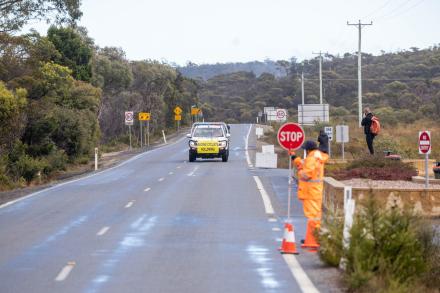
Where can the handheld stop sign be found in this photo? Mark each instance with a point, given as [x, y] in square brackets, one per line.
[291, 136]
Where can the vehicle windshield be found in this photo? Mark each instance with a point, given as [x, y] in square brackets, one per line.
[208, 132]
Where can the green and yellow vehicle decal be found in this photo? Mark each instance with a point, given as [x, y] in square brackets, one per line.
[207, 147]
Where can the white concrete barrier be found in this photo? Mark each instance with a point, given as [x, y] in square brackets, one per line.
[266, 160]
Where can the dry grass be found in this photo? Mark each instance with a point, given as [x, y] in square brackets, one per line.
[401, 139]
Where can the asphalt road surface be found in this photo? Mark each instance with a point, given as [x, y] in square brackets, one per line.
[155, 223]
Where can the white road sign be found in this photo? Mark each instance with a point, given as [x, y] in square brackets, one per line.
[281, 115]
[424, 142]
[329, 131]
[310, 114]
[342, 133]
[129, 117]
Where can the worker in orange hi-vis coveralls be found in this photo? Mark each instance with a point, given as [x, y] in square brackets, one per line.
[310, 188]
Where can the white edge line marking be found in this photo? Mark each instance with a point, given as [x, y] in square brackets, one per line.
[91, 175]
[129, 204]
[298, 273]
[147, 189]
[266, 200]
[246, 145]
[64, 273]
[103, 231]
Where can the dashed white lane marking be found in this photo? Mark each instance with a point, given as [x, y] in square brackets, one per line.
[276, 229]
[193, 171]
[246, 145]
[272, 220]
[266, 200]
[64, 273]
[91, 175]
[171, 173]
[147, 189]
[298, 273]
[129, 204]
[161, 179]
[103, 231]
[178, 167]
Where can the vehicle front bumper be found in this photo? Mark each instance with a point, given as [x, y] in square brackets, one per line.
[221, 152]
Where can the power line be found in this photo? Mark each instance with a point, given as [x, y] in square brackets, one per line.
[378, 9]
[405, 11]
[394, 11]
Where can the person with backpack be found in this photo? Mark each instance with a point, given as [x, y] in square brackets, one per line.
[371, 128]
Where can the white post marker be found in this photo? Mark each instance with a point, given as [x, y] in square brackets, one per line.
[425, 146]
[164, 137]
[96, 159]
[349, 208]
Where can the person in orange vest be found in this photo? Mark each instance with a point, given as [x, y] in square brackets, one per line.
[310, 188]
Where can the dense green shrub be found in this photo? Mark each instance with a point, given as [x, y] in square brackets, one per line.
[390, 250]
[330, 238]
[27, 167]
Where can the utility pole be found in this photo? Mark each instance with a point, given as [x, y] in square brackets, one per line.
[320, 76]
[302, 87]
[360, 25]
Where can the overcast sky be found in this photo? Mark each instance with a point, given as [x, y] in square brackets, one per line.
[210, 31]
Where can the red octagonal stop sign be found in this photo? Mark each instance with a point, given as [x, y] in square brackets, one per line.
[291, 136]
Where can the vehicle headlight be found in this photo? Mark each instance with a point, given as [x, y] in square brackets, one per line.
[192, 143]
[222, 144]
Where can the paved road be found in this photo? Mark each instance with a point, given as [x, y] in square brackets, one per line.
[153, 224]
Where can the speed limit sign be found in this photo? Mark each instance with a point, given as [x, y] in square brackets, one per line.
[129, 117]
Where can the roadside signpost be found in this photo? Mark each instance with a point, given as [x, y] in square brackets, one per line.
[194, 113]
[281, 115]
[129, 116]
[177, 116]
[290, 137]
[329, 131]
[145, 116]
[342, 137]
[425, 146]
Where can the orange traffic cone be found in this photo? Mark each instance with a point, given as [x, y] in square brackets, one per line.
[288, 246]
[310, 241]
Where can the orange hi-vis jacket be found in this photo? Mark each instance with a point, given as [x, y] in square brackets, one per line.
[311, 175]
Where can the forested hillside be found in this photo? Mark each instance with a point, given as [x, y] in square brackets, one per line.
[400, 87]
[61, 95]
[207, 71]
